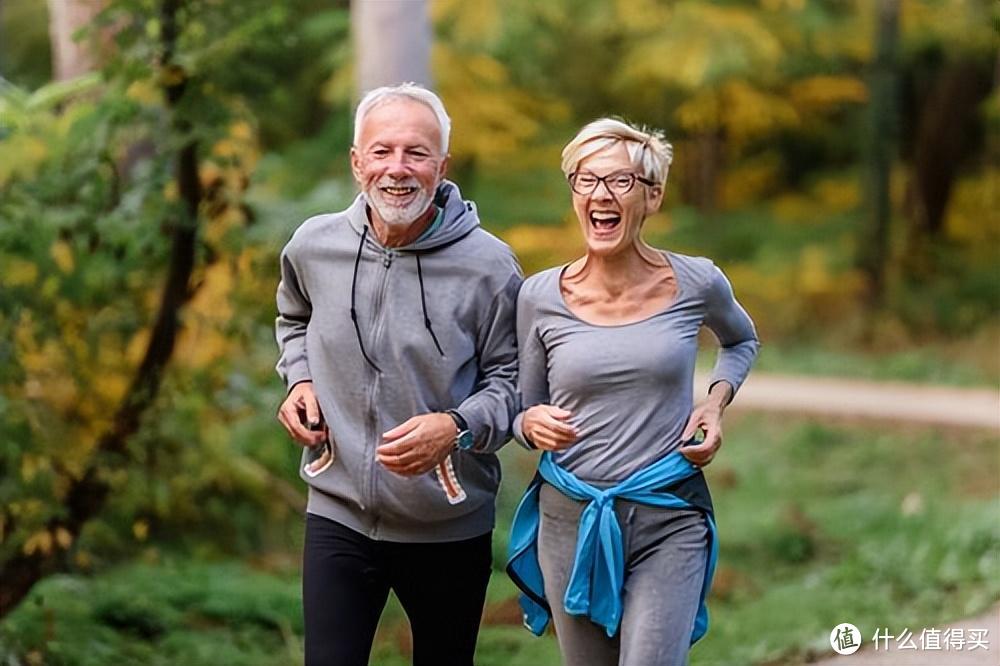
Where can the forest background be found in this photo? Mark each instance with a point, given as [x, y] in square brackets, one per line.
[837, 158]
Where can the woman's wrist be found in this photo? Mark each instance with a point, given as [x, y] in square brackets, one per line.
[720, 394]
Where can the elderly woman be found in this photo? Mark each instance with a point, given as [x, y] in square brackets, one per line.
[615, 539]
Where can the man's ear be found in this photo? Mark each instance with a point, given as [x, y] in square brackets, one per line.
[443, 169]
[356, 164]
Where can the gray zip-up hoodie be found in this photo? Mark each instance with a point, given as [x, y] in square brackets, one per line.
[386, 334]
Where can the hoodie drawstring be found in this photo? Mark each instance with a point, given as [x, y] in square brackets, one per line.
[423, 303]
[354, 312]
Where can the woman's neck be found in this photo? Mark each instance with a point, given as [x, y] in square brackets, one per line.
[617, 273]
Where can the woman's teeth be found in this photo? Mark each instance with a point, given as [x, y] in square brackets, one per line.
[602, 220]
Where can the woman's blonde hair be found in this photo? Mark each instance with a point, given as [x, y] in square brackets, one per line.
[648, 149]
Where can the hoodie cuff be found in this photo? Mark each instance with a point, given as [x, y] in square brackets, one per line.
[296, 375]
[475, 424]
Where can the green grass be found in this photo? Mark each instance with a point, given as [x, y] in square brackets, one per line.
[819, 524]
[881, 528]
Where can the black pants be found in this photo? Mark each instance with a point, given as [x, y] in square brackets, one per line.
[346, 581]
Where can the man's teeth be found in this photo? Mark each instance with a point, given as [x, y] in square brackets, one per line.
[398, 191]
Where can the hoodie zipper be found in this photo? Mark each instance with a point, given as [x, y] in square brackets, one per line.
[376, 435]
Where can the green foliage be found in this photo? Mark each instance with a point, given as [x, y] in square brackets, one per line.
[88, 200]
[25, 60]
[171, 613]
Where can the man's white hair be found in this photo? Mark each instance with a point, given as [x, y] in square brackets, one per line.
[411, 91]
[648, 149]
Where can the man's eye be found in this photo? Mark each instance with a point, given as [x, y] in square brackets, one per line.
[586, 181]
[381, 152]
[622, 181]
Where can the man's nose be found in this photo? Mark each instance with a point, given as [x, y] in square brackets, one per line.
[398, 164]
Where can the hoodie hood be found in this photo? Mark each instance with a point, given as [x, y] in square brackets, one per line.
[460, 218]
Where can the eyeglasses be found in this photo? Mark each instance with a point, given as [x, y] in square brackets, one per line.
[620, 182]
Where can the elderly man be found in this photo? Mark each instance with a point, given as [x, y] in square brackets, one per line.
[396, 330]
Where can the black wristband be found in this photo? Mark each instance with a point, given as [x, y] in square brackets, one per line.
[460, 422]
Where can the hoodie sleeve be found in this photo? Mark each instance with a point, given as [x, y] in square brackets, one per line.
[294, 312]
[733, 327]
[492, 405]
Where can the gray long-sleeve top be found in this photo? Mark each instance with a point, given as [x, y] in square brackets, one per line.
[629, 387]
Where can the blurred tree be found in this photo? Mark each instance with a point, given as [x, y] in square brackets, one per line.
[720, 64]
[949, 68]
[74, 53]
[497, 121]
[96, 453]
[874, 255]
[392, 43]
[85, 492]
[494, 119]
[725, 80]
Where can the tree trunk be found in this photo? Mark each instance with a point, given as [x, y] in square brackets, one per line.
[874, 251]
[72, 57]
[945, 138]
[86, 496]
[392, 43]
[702, 157]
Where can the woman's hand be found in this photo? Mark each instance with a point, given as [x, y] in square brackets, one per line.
[707, 416]
[546, 427]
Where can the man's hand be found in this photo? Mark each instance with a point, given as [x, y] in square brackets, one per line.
[707, 416]
[545, 426]
[418, 444]
[300, 416]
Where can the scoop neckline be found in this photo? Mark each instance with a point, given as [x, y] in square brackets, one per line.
[667, 254]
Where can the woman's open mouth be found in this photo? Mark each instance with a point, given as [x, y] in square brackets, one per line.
[605, 221]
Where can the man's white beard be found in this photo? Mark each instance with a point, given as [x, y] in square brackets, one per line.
[399, 216]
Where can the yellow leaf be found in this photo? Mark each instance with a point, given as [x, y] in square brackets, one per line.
[143, 91]
[818, 94]
[62, 254]
[140, 529]
[224, 148]
[63, 538]
[83, 559]
[38, 542]
[241, 130]
[29, 467]
[19, 272]
[171, 191]
[23, 154]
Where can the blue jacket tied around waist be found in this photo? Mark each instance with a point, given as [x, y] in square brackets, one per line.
[595, 584]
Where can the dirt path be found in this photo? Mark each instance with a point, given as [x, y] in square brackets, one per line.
[893, 401]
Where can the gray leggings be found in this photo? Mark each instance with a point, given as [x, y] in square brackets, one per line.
[664, 569]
